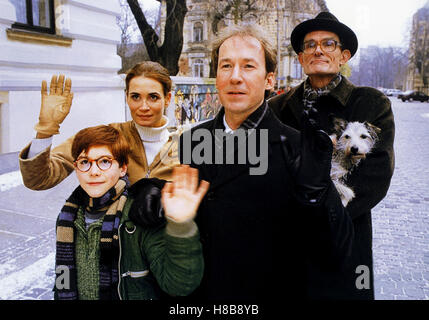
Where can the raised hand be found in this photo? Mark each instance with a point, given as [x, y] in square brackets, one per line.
[181, 198]
[55, 106]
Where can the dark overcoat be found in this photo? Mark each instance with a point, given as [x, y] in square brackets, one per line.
[370, 180]
[257, 240]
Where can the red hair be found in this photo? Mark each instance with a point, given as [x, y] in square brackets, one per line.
[101, 135]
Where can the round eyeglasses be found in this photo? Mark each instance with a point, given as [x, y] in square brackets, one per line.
[84, 164]
[327, 45]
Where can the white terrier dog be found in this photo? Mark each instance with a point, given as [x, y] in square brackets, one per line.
[352, 142]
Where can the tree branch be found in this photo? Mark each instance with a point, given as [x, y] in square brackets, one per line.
[173, 40]
[149, 35]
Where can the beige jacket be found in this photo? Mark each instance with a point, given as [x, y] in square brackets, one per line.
[49, 168]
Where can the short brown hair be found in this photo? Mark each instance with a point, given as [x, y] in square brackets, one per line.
[101, 135]
[254, 31]
[150, 69]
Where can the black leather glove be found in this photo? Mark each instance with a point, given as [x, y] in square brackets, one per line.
[310, 167]
[146, 209]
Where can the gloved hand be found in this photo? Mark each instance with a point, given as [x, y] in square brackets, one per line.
[311, 166]
[146, 209]
[55, 106]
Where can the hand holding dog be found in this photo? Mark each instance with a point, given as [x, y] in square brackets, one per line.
[182, 197]
[312, 165]
[55, 106]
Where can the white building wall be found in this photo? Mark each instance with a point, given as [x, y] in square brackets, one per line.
[90, 61]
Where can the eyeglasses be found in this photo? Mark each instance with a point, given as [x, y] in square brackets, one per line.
[327, 45]
[84, 164]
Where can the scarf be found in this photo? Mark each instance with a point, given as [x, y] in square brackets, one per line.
[112, 202]
[311, 95]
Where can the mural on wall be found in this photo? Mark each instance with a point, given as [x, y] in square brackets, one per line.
[195, 103]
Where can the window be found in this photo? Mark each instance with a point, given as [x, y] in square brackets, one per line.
[35, 15]
[198, 68]
[198, 32]
[296, 69]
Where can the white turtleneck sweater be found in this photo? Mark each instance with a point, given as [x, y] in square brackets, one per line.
[153, 139]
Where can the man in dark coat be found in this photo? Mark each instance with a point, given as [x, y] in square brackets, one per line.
[261, 223]
[323, 45]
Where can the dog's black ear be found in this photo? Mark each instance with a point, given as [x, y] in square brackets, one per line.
[372, 128]
[338, 124]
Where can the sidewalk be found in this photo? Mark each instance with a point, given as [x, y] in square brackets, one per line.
[27, 234]
[9, 162]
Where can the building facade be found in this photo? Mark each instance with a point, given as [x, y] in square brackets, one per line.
[39, 38]
[418, 67]
[277, 17]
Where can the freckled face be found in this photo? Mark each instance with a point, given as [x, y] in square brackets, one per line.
[147, 101]
[95, 181]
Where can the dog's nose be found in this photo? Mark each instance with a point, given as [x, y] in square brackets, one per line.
[354, 150]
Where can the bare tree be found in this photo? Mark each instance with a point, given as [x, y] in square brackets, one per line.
[381, 67]
[124, 21]
[168, 52]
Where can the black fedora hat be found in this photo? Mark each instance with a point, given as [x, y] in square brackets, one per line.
[325, 21]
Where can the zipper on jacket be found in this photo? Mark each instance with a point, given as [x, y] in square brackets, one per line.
[119, 261]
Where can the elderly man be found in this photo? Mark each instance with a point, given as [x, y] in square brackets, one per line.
[261, 229]
[323, 45]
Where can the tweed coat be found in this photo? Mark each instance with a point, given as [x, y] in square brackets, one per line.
[257, 240]
[50, 167]
[370, 180]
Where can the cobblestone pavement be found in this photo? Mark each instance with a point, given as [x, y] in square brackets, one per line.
[400, 222]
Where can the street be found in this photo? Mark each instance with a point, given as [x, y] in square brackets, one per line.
[400, 222]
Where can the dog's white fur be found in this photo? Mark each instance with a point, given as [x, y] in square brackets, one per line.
[352, 142]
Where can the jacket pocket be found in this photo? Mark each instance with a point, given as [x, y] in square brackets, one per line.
[135, 274]
[140, 285]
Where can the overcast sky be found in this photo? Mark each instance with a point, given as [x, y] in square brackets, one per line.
[376, 22]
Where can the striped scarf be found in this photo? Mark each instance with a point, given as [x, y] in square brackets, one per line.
[311, 95]
[112, 202]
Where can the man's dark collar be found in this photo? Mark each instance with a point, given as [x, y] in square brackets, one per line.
[255, 118]
[251, 122]
[343, 91]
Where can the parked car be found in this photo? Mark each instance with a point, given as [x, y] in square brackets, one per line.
[412, 95]
[404, 94]
[393, 92]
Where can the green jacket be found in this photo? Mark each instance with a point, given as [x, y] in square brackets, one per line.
[167, 257]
